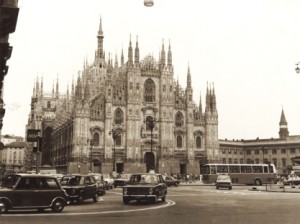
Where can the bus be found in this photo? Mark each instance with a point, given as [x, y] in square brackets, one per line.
[256, 174]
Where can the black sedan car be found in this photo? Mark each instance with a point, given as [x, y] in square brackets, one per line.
[80, 187]
[145, 186]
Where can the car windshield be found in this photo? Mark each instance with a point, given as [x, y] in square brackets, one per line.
[10, 181]
[70, 180]
[223, 177]
[143, 179]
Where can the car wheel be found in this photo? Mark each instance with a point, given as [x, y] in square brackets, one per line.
[257, 182]
[126, 201]
[163, 198]
[217, 187]
[176, 185]
[4, 207]
[80, 199]
[230, 188]
[58, 205]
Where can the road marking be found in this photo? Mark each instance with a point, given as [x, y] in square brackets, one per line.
[168, 204]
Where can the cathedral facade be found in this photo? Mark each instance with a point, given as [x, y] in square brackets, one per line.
[130, 116]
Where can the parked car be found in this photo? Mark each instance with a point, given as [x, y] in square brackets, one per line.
[101, 183]
[110, 181]
[171, 181]
[122, 179]
[145, 186]
[80, 187]
[223, 181]
[32, 191]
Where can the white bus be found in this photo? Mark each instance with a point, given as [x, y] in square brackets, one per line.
[257, 174]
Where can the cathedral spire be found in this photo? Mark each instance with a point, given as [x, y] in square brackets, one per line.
[137, 52]
[130, 55]
[163, 55]
[116, 61]
[100, 37]
[200, 105]
[189, 79]
[169, 55]
[208, 102]
[213, 100]
[122, 57]
[57, 87]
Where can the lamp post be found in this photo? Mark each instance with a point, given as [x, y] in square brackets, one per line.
[91, 155]
[150, 122]
[114, 133]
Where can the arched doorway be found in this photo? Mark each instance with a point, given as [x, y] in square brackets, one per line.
[149, 159]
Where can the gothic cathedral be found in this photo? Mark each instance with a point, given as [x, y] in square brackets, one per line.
[130, 116]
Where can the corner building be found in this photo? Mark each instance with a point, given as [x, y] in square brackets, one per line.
[76, 127]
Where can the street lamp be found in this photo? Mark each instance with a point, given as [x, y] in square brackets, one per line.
[297, 68]
[91, 155]
[150, 122]
[148, 3]
[114, 133]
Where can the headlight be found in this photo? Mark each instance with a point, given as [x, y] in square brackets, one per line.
[151, 190]
[124, 191]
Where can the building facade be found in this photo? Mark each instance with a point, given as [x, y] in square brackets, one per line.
[9, 12]
[16, 157]
[283, 152]
[130, 116]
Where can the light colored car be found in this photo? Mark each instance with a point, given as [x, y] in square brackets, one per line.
[223, 181]
[110, 181]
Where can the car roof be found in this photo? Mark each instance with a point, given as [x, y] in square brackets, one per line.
[30, 175]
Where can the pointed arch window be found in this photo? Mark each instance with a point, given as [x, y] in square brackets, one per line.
[49, 104]
[149, 91]
[96, 139]
[179, 120]
[118, 116]
[119, 140]
[179, 141]
[198, 142]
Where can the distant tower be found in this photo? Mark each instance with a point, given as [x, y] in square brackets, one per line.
[283, 129]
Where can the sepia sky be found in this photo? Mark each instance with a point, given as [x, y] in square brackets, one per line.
[246, 49]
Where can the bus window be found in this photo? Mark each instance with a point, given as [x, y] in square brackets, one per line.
[246, 169]
[266, 169]
[257, 169]
[212, 170]
[234, 169]
[222, 169]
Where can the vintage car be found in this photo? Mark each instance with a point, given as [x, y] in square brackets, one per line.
[101, 183]
[32, 191]
[109, 180]
[145, 186]
[80, 187]
[223, 181]
[122, 179]
[171, 181]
